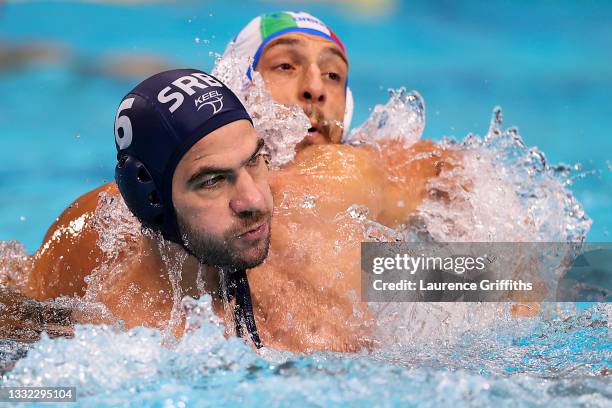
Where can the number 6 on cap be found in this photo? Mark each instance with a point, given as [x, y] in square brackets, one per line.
[123, 122]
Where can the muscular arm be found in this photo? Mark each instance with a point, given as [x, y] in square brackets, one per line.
[407, 174]
[313, 268]
[410, 171]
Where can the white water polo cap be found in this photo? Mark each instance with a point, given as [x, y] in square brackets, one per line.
[246, 48]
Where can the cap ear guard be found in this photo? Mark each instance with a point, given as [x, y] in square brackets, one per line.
[142, 195]
[348, 114]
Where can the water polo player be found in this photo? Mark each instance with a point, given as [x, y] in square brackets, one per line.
[303, 62]
[190, 168]
[339, 176]
[199, 182]
[321, 305]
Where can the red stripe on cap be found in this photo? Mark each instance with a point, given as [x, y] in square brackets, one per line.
[335, 37]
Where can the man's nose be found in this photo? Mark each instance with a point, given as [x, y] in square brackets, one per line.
[312, 89]
[247, 199]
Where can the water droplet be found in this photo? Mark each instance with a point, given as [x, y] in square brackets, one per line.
[309, 201]
[358, 212]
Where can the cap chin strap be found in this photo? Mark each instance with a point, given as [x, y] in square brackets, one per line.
[238, 286]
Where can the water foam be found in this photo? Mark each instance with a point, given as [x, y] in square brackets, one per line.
[401, 119]
[15, 266]
[281, 126]
[525, 364]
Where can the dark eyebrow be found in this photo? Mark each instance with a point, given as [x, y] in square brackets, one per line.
[297, 41]
[337, 52]
[260, 145]
[206, 170]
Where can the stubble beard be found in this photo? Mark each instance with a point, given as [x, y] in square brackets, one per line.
[221, 251]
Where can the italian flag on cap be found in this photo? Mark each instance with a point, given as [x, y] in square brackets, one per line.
[274, 24]
[253, 38]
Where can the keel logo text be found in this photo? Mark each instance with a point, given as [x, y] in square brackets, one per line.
[212, 98]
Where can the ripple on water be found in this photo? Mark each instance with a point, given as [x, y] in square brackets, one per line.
[555, 361]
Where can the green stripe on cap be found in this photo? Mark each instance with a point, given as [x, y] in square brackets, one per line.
[275, 22]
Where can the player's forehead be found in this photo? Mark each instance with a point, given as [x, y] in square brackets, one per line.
[303, 42]
[226, 146]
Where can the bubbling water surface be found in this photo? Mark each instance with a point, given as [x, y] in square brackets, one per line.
[561, 360]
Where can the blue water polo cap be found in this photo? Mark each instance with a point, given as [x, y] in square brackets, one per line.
[155, 125]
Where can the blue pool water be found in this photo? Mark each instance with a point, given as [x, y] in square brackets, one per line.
[559, 361]
[548, 65]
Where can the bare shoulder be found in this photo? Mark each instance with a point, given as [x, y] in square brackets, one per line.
[69, 252]
[85, 204]
[339, 160]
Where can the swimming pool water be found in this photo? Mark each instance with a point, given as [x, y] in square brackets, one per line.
[560, 361]
[548, 65]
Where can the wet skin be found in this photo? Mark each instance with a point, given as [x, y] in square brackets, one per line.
[311, 71]
[306, 294]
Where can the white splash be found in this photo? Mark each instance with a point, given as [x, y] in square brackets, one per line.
[503, 191]
[281, 126]
[15, 265]
[118, 232]
[499, 190]
[401, 119]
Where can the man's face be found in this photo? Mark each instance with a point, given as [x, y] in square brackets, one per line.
[222, 198]
[310, 71]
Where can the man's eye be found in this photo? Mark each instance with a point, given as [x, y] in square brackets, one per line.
[285, 66]
[334, 76]
[212, 182]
